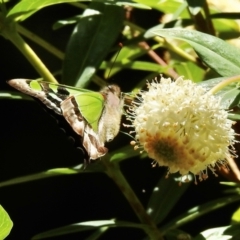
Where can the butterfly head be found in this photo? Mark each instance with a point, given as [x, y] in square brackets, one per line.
[111, 89]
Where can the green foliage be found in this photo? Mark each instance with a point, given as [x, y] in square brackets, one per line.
[216, 53]
[92, 39]
[189, 41]
[26, 8]
[6, 223]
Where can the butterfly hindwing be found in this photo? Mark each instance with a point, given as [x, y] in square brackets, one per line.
[91, 106]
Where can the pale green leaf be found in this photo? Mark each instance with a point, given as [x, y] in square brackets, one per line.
[6, 223]
[226, 28]
[236, 216]
[216, 53]
[229, 95]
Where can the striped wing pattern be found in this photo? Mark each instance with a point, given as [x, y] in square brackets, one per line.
[62, 100]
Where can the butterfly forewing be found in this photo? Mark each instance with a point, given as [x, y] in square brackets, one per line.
[41, 91]
[95, 116]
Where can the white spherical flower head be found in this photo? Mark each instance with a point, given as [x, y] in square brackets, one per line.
[182, 126]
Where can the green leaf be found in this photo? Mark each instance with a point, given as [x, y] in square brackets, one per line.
[122, 154]
[90, 42]
[234, 116]
[216, 53]
[199, 211]
[220, 233]
[26, 8]
[210, 83]
[125, 56]
[169, 6]
[53, 173]
[138, 65]
[85, 226]
[232, 97]
[230, 94]
[164, 197]
[226, 28]
[61, 23]
[14, 95]
[190, 71]
[236, 216]
[6, 223]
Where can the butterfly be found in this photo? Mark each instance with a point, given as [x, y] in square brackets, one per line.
[94, 116]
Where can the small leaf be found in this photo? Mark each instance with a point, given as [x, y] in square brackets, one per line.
[6, 223]
[216, 53]
[236, 216]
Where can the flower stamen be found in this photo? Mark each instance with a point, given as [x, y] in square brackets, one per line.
[182, 127]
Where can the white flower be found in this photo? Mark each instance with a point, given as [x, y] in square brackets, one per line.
[182, 126]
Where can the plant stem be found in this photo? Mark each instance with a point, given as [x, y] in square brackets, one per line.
[41, 42]
[11, 34]
[116, 175]
[224, 83]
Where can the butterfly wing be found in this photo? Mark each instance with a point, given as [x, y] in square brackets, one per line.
[81, 108]
[50, 94]
[83, 112]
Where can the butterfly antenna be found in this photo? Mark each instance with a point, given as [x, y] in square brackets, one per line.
[114, 61]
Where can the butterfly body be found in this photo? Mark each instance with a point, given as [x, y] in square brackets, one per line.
[95, 116]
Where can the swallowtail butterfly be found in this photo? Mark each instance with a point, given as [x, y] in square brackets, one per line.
[94, 116]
